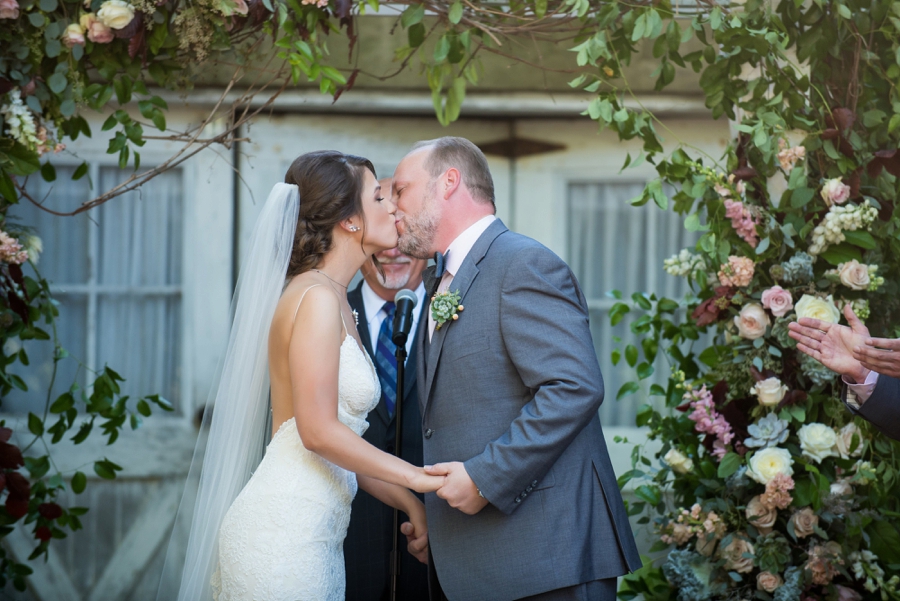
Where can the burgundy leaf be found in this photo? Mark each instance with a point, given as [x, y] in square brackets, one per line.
[5, 434]
[2, 481]
[744, 173]
[885, 159]
[844, 119]
[131, 30]
[136, 43]
[853, 181]
[793, 397]
[5, 85]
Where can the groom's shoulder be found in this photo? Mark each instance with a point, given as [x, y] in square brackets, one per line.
[517, 247]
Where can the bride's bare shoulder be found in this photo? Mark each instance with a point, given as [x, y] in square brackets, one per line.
[307, 298]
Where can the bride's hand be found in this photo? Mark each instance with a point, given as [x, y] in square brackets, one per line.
[416, 532]
[422, 482]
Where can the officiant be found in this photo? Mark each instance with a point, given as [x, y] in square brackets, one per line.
[367, 548]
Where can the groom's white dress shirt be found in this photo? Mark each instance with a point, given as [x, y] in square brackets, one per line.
[375, 314]
[456, 254]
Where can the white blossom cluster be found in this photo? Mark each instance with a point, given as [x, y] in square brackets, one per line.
[841, 218]
[683, 264]
[864, 565]
[19, 120]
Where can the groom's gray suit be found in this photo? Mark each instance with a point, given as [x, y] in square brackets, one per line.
[512, 390]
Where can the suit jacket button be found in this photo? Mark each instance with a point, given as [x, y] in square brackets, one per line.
[534, 483]
[528, 489]
[518, 499]
[428, 433]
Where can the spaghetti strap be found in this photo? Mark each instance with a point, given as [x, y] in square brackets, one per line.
[297, 310]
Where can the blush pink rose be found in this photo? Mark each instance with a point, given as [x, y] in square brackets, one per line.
[73, 36]
[834, 191]
[752, 321]
[777, 300]
[97, 32]
[9, 9]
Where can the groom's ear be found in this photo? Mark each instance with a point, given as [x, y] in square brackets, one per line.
[450, 182]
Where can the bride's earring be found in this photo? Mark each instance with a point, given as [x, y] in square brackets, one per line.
[353, 228]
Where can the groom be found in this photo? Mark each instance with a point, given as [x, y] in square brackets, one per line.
[509, 392]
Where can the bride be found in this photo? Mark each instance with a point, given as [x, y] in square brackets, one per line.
[277, 536]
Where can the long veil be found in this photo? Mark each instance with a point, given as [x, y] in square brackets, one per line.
[233, 432]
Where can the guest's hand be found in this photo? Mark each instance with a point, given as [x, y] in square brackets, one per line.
[416, 540]
[458, 490]
[885, 361]
[832, 344]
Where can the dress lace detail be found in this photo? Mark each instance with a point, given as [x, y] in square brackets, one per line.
[282, 539]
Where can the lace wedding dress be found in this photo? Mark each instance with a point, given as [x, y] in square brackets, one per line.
[282, 538]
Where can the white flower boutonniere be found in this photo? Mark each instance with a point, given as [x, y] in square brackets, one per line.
[445, 307]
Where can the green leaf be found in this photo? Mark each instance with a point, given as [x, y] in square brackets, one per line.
[644, 370]
[35, 425]
[845, 12]
[81, 171]
[412, 15]
[48, 172]
[456, 12]
[58, 83]
[143, 408]
[441, 49]
[729, 464]
[626, 389]
[647, 493]
[885, 541]
[104, 471]
[48, 6]
[763, 245]
[52, 48]
[540, 8]
[631, 355]
[63, 403]
[841, 254]
[8, 188]
[36, 19]
[861, 239]
[79, 482]
[416, 35]
[801, 196]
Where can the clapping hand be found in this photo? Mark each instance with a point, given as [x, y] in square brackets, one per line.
[458, 490]
[833, 345]
[885, 361]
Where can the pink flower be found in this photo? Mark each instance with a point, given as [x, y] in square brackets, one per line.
[788, 157]
[737, 272]
[777, 300]
[10, 250]
[777, 495]
[9, 9]
[834, 191]
[97, 32]
[708, 421]
[847, 594]
[743, 221]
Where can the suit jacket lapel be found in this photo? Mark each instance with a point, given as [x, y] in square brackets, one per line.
[355, 298]
[462, 281]
[411, 361]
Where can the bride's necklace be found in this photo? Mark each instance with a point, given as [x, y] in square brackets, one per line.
[354, 312]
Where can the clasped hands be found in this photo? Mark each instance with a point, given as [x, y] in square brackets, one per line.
[451, 482]
[849, 351]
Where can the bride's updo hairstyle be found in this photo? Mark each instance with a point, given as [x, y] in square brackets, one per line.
[330, 185]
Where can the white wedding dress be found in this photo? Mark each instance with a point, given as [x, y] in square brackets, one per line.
[282, 539]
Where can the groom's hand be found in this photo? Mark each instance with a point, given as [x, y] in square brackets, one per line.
[458, 490]
[416, 543]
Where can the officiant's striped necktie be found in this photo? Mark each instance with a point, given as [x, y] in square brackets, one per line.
[386, 360]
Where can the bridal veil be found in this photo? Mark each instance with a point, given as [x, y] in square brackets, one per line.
[233, 432]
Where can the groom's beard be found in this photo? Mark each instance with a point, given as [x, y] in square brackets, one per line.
[418, 237]
[393, 281]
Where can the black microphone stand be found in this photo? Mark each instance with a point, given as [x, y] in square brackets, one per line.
[398, 429]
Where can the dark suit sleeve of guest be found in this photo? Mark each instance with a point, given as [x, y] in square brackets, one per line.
[545, 331]
[882, 408]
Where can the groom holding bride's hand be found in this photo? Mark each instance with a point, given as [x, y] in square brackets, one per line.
[509, 388]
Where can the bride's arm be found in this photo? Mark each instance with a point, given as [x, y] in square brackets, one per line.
[400, 498]
[314, 357]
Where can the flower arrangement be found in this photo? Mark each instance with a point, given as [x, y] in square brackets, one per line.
[763, 484]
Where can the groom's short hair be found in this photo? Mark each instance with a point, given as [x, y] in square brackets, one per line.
[462, 154]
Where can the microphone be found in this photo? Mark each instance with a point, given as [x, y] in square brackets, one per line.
[405, 301]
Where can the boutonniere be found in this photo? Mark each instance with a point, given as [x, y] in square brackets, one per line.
[445, 307]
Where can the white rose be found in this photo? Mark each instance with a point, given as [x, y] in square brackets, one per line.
[817, 441]
[817, 308]
[115, 14]
[854, 275]
[752, 321]
[841, 488]
[678, 461]
[845, 440]
[769, 392]
[768, 463]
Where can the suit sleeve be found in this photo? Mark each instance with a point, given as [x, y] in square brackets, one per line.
[545, 331]
[882, 408]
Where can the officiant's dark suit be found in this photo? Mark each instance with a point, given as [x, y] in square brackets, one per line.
[369, 538]
[882, 408]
